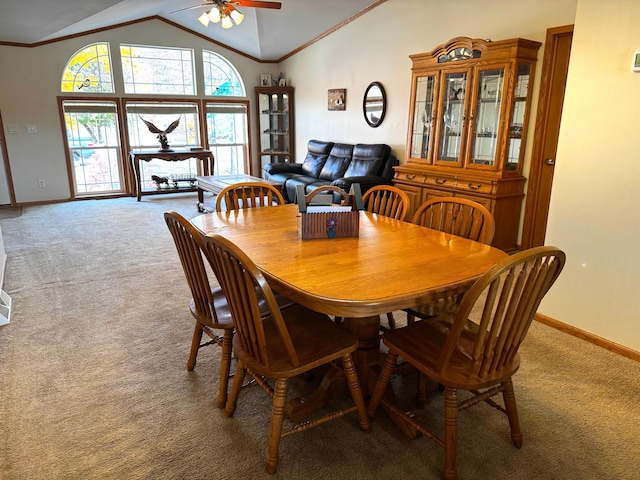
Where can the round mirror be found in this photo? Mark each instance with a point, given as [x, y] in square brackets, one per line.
[374, 104]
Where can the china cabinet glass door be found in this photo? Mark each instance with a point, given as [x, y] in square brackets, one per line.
[424, 111]
[452, 118]
[489, 93]
[514, 152]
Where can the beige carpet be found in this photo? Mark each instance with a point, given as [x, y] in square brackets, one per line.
[93, 380]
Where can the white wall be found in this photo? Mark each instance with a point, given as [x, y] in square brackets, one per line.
[594, 214]
[30, 82]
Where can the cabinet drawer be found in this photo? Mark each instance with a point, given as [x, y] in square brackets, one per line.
[475, 186]
[441, 181]
[410, 177]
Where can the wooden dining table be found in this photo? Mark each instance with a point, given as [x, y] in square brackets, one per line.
[390, 266]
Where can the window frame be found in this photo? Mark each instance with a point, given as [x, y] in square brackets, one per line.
[96, 59]
[231, 67]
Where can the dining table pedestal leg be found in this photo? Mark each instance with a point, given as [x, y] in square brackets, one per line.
[367, 363]
[367, 329]
[334, 381]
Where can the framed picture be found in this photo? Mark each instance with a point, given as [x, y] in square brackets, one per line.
[282, 82]
[337, 99]
[265, 80]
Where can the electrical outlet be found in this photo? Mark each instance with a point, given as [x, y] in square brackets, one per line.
[41, 183]
[31, 128]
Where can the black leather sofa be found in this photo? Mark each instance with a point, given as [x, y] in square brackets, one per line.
[337, 164]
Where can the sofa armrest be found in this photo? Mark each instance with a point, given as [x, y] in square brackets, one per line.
[365, 181]
[273, 168]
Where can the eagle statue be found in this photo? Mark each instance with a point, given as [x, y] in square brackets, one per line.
[162, 134]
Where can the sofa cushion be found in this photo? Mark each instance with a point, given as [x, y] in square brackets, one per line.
[290, 185]
[337, 163]
[317, 153]
[281, 177]
[368, 159]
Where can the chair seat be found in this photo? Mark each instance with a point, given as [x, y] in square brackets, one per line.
[421, 343]
[222, 309]
[317, 338]
[221, 312]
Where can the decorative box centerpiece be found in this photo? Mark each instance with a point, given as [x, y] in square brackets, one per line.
[323, 219]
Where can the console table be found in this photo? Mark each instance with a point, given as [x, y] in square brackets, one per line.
[205, 158]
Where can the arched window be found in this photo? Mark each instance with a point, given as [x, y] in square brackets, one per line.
[89, 70]
[221, 79]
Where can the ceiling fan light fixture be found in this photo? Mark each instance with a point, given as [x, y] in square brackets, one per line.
[226, 22]
[204, 19]
[214, 15]
[236, 15]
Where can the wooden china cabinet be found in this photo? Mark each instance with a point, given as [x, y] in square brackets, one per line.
[276, 124]
[469, 110]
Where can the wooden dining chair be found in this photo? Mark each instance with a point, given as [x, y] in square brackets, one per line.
[248, 195]
[460, 217]
[386, 200]
[479, 352]
[281, 345]
[208, 305]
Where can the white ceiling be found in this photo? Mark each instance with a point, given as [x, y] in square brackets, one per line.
[265, 34]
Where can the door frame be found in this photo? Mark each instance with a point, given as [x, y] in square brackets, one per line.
[537, 203]
[7, 166]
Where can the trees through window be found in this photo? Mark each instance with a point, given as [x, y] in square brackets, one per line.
[158, 70]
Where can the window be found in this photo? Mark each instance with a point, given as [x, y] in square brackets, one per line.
[228, 134]
[158, 70]
[89, 70]
[94, 147]
[220, 77]
[162, 114]
[94, 128]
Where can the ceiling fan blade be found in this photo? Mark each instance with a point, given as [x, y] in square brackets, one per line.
[249, 3]
[191, 8]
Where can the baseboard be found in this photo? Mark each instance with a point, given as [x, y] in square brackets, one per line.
[589, 337]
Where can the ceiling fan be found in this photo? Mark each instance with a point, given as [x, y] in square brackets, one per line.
[225, 10]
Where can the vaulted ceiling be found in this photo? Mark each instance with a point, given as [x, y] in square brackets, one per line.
[265, 34]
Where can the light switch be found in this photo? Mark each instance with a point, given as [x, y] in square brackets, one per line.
[31, 129]
[12, 129]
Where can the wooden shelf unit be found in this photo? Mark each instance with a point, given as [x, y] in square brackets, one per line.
[275, 110]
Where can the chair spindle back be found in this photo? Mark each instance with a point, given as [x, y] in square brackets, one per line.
[386, 200]
[509, 295]
[245, 289]
[248, 195]
[457, 216]
[185, 238]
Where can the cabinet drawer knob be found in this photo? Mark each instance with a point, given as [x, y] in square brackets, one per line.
[441, 181]
[410, 177]
[474, 187]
